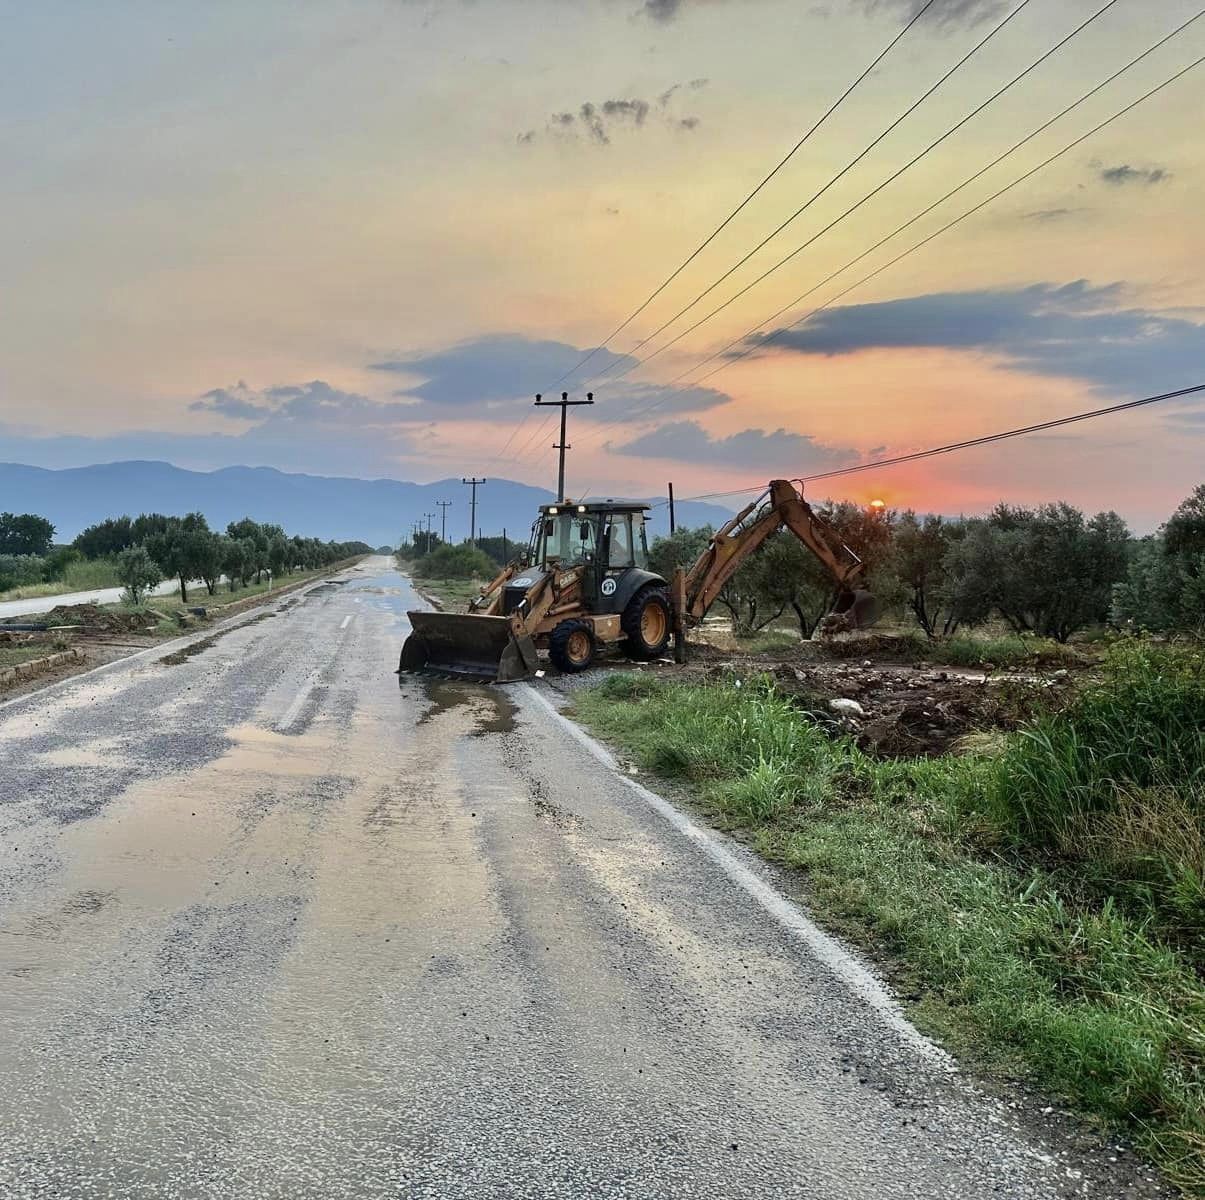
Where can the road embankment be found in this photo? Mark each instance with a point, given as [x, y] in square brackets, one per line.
[1036, 897]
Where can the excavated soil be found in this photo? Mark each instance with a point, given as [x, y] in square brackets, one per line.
[95, 619]
[892, 709]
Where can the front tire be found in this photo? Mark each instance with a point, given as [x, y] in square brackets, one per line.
[571, 646]
[647, 623]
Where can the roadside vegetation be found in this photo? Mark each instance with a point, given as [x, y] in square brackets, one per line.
[1043, 901]
[451, 575]
[1036, 888]
[138, 553]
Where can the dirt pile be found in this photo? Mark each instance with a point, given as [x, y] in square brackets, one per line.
[95, 619]
[901, 711]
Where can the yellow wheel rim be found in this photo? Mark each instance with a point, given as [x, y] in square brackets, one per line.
[652, 625]
[578, 647]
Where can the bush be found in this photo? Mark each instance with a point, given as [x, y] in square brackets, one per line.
[455, 562]
[20, 570]
[137, 572]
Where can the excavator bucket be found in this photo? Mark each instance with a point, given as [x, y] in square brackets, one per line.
[476, 647]
[854, 610]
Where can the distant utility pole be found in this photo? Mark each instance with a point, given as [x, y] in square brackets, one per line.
[672, 523]
[430, 517]
[444, 505]
[564, 404]
[505, 550]
[474, 484]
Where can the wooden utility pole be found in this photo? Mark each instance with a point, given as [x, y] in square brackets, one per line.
[672, 523]
[474, 484]
[444, 505]
[564, 404]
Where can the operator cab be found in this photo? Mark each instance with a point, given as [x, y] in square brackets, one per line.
[606, 534]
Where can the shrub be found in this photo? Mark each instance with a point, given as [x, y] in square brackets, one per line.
[455, 562]
[20, 570]
[137, 572]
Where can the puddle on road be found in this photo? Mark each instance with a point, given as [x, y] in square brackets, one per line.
[492, 710]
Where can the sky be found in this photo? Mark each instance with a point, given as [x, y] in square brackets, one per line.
[356, 237]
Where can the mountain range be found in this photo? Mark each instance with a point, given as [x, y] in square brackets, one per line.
[378, 511]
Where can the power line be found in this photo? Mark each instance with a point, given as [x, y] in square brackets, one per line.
[970, 212]
[853, 162]
[534, 437]
[937, 233]
[984, 440]
[870, 195]
[925, 212]
[740, 207]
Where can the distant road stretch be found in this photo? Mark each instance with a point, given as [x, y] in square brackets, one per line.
[41, 604]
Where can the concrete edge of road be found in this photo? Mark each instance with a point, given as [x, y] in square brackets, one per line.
[151, 653]
[845, 966]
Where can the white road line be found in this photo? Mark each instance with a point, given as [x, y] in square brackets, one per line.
[294, 710]
[854, 974]
[346, 621]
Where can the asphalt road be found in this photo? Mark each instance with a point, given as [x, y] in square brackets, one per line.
[275, 925]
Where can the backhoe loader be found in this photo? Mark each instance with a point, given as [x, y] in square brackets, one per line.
[584, 583]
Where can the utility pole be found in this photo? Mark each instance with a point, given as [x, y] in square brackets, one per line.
[474, 484]
[444, 505]
[430, 517]
[505, 546]
[564, 404]
[672, 523]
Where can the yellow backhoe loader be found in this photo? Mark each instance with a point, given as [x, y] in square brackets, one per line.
[584, 583]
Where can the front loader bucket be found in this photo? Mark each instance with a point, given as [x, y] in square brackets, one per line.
[477, 647]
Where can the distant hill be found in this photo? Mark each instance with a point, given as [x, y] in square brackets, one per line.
[378, 511]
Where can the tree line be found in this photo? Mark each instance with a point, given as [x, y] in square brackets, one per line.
[152, 546]
[1049, 570]
[146, 549]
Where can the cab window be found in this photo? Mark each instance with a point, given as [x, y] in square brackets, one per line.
[569, 538]
[619, 543]
[640, 547]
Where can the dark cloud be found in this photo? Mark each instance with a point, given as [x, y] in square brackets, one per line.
[1044, 216]
[502, 373]
[1124, 174]
[1073, 330]
[597, 122]
[945, 14]
[756, 449]
[313, 403]
[661, 10]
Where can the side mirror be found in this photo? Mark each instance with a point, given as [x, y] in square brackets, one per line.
[584, 533]
[549, 528]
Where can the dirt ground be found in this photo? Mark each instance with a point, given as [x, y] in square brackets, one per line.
[891, 708]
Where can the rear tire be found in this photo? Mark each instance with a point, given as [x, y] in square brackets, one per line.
[647, 623]
[571, 646]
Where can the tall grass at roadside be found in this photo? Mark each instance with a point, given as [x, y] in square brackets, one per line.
[80, 575]
[1043, 900]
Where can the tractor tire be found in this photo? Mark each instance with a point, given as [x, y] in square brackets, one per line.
[571, 646]
[648, 623]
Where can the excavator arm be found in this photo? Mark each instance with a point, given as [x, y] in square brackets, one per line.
[781, 506]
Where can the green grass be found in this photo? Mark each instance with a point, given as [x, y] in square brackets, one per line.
[452, 594]
[80, 576]
[10, 656]
[1042, 901]
[973, 650]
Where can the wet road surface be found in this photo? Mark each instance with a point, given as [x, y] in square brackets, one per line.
[273, 925]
